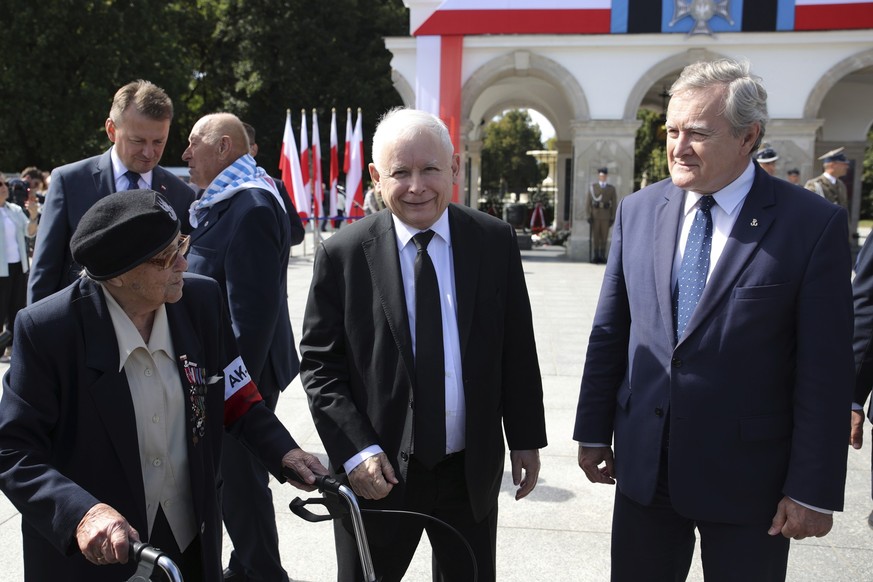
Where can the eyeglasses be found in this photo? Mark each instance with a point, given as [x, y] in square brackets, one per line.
[167, 258]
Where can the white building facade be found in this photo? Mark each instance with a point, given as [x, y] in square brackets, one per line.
[589, 65]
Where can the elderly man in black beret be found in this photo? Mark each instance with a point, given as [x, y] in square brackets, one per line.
[120, 391]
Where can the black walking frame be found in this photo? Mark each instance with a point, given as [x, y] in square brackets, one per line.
[340, 500]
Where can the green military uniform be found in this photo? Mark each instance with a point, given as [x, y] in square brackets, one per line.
[600, 207]
[833, 192]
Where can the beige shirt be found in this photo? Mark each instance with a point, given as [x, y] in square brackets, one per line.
[159, 407]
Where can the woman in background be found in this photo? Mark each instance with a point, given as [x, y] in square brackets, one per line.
[15, 227]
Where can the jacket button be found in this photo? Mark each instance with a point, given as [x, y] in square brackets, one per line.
[677, 363]
[404, 457]
[659, 412]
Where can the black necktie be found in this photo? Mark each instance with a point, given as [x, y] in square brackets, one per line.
[430, 376]
[132, 180]
[695, 266]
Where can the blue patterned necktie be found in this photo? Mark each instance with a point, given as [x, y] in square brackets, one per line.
[132, 180]
[695, 266]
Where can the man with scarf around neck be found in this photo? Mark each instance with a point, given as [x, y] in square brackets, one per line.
[241, 238]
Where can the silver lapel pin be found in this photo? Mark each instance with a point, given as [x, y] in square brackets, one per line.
[754, 222]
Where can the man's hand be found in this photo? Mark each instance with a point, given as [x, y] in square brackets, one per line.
[306, 465]
[527, 461]
[856, 436]
[103, 536]
[793, 520]
[590, 459]
[374, 478]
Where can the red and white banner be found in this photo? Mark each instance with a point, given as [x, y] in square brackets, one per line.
[832, 14]
[334, 163]
[465, 17]
[289, 166]
[354, 172]
[317, 185]
[304, 157]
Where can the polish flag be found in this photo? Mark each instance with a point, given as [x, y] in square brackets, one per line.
[304, 157]
[463, 17]
[354, 175]
[832, 14]
[317, 186]
[334, 163]
[289, 166]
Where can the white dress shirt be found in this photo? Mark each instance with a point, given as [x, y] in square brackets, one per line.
[159, 407]
[440, 251]
[119, 171]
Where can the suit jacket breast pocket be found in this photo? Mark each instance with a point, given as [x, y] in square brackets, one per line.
[757, 292]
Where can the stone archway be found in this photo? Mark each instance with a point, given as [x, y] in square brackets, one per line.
[522, 79]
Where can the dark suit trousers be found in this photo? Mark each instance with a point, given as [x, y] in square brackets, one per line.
[654, 542]
[13, 295]
[248, 511]
[393, 538]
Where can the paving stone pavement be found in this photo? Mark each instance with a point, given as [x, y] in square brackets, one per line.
[561, 531]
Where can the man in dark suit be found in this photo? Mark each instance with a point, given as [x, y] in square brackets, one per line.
[862, 287]
[114, 408]
[241, 238]
[298, 231]
[410, 378]
[138, 126]
[720, 358]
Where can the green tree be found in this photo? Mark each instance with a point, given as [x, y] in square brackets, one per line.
[650, 157]
[505, 165]
[62, 61]
[262, 57]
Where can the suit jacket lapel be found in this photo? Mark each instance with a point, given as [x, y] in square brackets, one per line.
[667, 220]
[756, 217]
[110, 392]
[104, 181]
[466, 241]
[384, 264]
[210, 220]
[185, 341]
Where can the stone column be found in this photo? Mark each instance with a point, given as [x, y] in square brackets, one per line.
[474, 152]
[565, 152]
[598, 143]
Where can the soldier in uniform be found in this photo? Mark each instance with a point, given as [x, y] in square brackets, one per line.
[766, 158]
[793, 176]
[600, 206]
[828, 184]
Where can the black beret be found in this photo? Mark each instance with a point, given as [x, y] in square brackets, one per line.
[603, 171]
[794, 171]
[123, 230]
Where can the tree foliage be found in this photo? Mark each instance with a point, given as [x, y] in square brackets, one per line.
[506, 167]
[63, 60]
[650, 157]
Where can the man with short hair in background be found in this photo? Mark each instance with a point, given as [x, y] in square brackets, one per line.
[242, 239]
[138, 126]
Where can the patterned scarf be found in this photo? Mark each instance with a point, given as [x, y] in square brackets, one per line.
[242, 174]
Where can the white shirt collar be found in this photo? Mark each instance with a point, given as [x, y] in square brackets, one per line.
[129, 338]
[406, 232]
[119, 170]
[731, 196]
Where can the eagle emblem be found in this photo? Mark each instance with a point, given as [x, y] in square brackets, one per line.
[702, 11]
